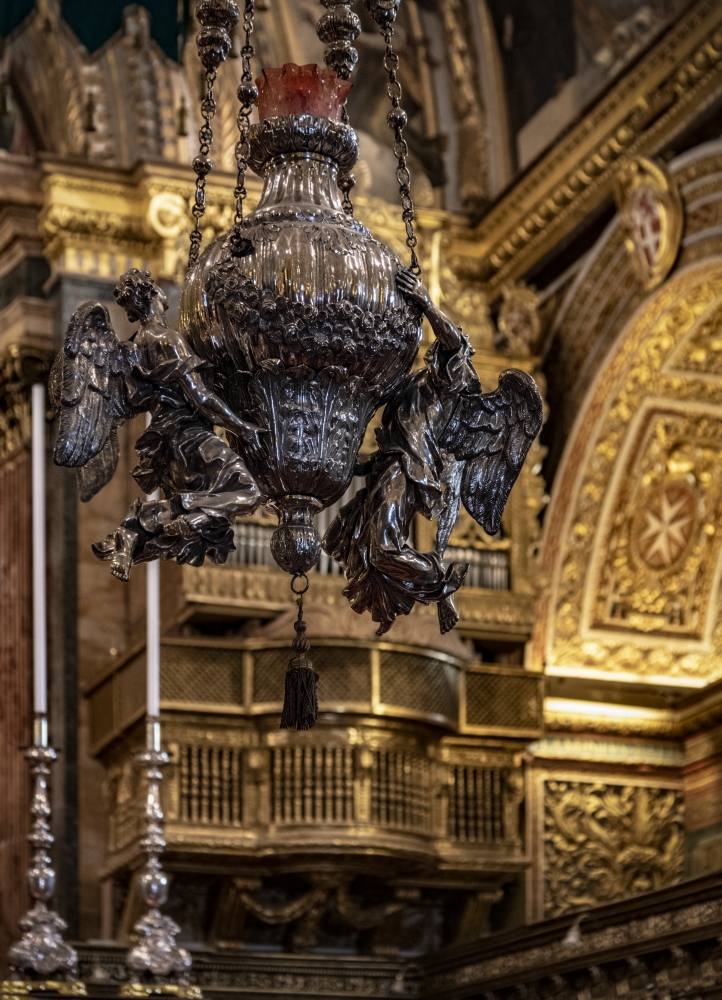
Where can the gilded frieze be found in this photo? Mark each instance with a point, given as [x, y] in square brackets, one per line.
[604, 842]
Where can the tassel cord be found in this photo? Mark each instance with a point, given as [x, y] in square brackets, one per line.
[300, 703]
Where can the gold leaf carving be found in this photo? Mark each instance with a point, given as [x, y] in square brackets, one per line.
[662, 542]
[652, 213]
[647, 427]
[605, 842]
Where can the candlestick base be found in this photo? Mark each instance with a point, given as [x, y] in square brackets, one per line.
[157, 953]
[41, 950]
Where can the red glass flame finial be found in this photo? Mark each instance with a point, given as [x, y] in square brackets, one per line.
[298, 90]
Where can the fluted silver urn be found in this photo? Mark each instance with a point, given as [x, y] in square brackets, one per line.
[304, 323]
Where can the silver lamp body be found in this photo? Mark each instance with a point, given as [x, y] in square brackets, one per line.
[303, 323]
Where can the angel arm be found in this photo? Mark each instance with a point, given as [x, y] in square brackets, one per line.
[183, 369]
[446, 332]
[493, 432]
[89, 392]
[212, 407]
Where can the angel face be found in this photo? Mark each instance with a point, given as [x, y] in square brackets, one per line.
[140, 296]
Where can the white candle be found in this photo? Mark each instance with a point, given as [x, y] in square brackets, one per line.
[153, 638]
[152, 629]
[40, 675]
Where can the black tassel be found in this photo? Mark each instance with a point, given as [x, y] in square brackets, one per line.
[300, 703]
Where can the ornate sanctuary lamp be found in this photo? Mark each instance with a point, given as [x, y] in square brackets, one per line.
[297, 307]
[295, 327]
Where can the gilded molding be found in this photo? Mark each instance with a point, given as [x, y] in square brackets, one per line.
[650, 105]
[610, 751]
[570, 716]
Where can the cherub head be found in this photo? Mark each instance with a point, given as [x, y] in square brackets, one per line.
[139, 295]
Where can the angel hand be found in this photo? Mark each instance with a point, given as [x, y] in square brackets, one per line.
[412, 287]
[249, 433]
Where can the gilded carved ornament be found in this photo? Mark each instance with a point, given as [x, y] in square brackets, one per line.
[587, 528]
[519, 323]
[20, 366]
[652, 213]
[604, 842]
[656, 100]
[660, 536]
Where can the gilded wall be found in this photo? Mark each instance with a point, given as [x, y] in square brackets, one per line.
[560, 751]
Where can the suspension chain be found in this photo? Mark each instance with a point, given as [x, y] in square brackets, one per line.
[346, 183]
[202, 165]
[247, 95]
[384, 13]
[217, 18]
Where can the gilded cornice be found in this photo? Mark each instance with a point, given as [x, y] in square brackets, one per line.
[98, 220]
[651, 104]
[614, 752]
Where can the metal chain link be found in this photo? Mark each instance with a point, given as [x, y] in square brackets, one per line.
[202, 165]
[396, 120]
[345, 183]
[247, 95]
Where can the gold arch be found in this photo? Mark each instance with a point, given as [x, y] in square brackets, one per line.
[650, 429]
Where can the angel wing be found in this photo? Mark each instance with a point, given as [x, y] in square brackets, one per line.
[89, 393]
[492, 433]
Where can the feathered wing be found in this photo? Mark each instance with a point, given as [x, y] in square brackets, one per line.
[493, 432]
[89, 393]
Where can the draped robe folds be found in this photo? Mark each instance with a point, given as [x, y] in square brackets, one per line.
[181, 454]
[206, 483]
[385, 575]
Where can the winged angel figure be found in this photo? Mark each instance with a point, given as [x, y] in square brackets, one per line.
[98, 382]
[443, 442]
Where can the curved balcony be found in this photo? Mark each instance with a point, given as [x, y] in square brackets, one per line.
[390, 770]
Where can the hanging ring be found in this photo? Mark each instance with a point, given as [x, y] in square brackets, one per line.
[299, 576]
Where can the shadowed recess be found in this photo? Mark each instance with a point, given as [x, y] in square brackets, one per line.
[95, 23]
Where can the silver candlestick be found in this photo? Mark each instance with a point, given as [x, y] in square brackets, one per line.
[41, 951]
[156, 952]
